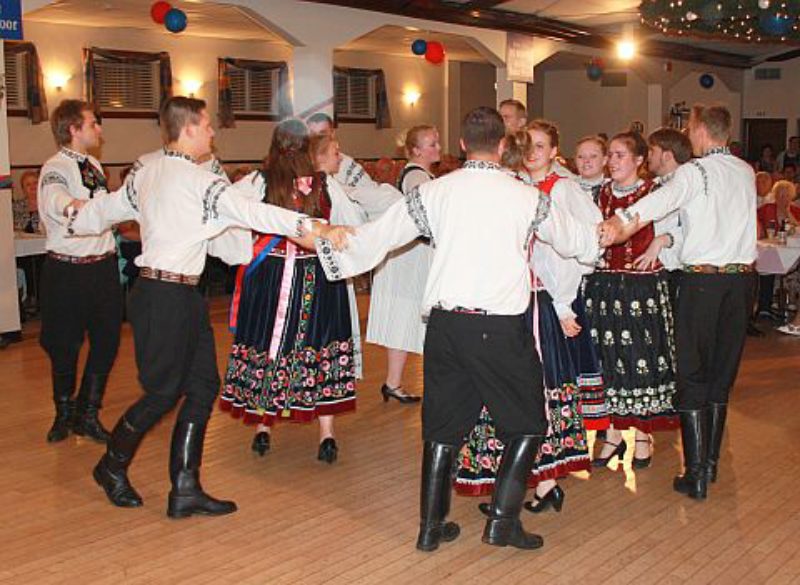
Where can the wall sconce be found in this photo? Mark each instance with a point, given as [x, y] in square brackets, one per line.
[411, 97]
[58, 79]
[191, 86]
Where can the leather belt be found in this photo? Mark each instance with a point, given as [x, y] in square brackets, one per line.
[724, 269]
[166, 276]
[81, 259]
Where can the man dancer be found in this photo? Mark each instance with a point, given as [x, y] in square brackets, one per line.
[480, 222]
[514, 115]
[179, 207]
[717, 201]
[81, 292]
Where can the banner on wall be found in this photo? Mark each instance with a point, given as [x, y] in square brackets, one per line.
[520, 57]
[11, 19]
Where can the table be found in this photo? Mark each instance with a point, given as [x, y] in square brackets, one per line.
[775, 258]
[29, 244]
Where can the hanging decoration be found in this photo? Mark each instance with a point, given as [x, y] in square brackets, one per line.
[594, 69]
[434, 52]
[706, 81]
[158, 11]
[757, 21]
[419, 47]
[175, 20]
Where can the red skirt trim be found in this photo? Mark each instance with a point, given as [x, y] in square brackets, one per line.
[294, 415]
[558, 472]
[646, 425]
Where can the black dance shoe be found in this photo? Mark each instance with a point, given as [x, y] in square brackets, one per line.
[644, 462]
[398, 394]
[619, 451]
[328, 451]
[552, 499]
[260, 443]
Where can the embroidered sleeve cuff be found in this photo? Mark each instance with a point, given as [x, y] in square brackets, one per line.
[625, 215]
[327, 258]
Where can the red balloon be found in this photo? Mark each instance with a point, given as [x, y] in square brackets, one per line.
[158, 11]
[435, 52]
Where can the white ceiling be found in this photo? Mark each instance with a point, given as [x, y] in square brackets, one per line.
[205, 19]
[583, 12]
[396, 40]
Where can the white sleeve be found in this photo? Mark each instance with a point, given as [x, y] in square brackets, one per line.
[671, 224]
[375, 199]
[224, 202]
[568, 236]
[371, 242]
[687, 182]
[100, 213]
[53, 194]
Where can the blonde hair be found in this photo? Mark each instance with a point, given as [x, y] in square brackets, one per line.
[594, 139]
[413, 137]
[784, 186]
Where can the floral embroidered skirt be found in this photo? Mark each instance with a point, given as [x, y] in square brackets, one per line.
[292, 356]
[564, 449]
[632, 329]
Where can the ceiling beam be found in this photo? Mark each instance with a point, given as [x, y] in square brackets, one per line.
[492, 18]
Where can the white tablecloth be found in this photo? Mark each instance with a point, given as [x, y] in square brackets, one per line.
[775, 258]
[29, 244]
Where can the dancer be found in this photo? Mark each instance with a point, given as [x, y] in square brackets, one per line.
[514, 115]
[80, 292]
[480, 222]
[568, 358]
[631, 319]
[716, 195]
[179, 207]
[591, 158]
[293, 352]
[395, 320]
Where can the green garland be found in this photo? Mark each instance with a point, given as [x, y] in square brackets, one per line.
[743, 20]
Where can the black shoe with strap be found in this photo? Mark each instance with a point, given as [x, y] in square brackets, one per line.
[694, 437]
[435, 493]
[643, 462]
[619, 451]
[398, 394]
[111, 472]
[552, 499]
[87, 407]
[328, 450]
[261, 443]
[63, 388]
[187, 497]
[503, 527]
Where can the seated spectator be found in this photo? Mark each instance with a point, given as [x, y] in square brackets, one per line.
[29, 182]
[790, 156]
[763, 188]
[766, 160]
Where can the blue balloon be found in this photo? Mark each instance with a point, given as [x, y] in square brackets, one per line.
[594, 72]
[175, 20]
[419, 47]
[774, 25]
[706, 81]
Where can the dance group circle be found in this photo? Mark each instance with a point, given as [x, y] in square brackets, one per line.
[545, 304]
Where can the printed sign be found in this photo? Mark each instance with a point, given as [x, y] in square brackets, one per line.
[11, 19]
[519, 57]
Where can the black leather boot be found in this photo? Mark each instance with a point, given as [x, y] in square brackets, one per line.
[63, 388]
[716, 414]
[435, 494]
[90, 399]
[503, 527]
[693, 435]
[187, 496]
[111, 472]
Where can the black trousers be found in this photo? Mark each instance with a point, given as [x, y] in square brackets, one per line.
[472, 360]
[710, 331]
[77, 299]
[175, 353]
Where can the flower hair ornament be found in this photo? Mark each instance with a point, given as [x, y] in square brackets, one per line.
[304, 185]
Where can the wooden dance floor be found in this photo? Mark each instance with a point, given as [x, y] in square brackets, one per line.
[302, 521]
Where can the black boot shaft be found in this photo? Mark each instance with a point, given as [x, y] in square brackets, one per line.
[187, 497]
[88, 404]
[717, 415]
[111, 472]
[503, 527]
[694, 435]
[63, 389]
[435, 494]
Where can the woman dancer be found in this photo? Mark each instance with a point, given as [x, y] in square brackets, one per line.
[293, 352]
[631, 318]
[591, 158]
[395, 319]
[557, 316]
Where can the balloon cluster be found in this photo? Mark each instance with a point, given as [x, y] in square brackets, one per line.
[594, 69]
[433, 50]
[173, 19]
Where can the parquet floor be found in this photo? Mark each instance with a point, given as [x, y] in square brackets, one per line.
[301, 521]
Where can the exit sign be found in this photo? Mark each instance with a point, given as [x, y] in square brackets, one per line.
[11, 19]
